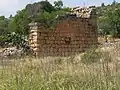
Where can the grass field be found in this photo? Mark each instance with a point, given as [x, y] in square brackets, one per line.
[95, 70]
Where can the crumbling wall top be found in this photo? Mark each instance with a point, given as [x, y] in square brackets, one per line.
[78, 12]
[32, 24]
[84, 12]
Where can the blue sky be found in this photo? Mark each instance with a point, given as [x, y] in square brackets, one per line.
[8, 7]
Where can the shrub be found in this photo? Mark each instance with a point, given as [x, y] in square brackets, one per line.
[91, 56]
[14, 39]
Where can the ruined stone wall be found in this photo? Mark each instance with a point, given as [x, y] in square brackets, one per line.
[71, 36]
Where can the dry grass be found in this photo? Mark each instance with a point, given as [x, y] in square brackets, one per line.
[68, 73]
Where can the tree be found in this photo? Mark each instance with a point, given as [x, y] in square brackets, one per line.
[114, 2]
[102, 5]
[2, 17]
[40, 7]
[58, 4]
[32, 12]
[19, 23]
[3, 29]
[3, 25]
[10, 16]
[110, 22]
[50, 19]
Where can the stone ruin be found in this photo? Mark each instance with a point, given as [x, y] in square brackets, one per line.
[75, 32]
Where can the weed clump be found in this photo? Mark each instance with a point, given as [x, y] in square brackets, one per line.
[91, 56]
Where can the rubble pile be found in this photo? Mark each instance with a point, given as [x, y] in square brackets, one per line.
[83, 12]
[13, 52]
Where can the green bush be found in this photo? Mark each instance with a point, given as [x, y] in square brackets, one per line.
[13, 39]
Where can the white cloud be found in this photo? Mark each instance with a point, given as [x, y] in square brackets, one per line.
[8, 4]
[8, 7]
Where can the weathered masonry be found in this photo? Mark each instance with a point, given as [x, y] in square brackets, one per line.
[74, 33]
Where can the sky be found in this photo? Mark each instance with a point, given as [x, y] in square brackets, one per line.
[8, 7]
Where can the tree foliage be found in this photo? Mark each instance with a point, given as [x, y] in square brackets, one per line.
[58, 4]
[3, 25]
[109, 19]
[19, 23]
[43, 12]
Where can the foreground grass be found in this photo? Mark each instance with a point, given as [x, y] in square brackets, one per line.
[58, 73]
